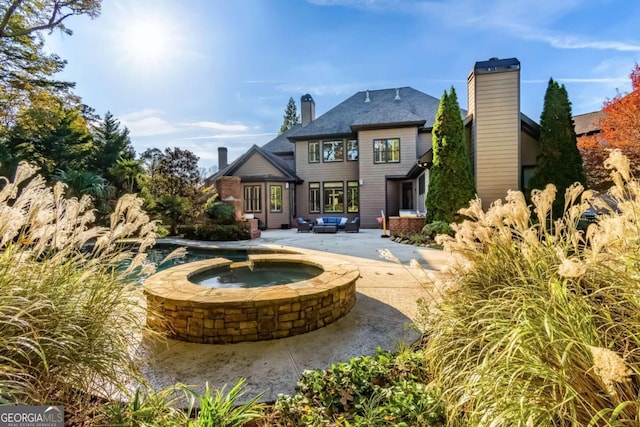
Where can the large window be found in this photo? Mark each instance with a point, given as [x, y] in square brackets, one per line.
[527, 173]
[332, 151]
[314, 152]
[352, 196]
[314, 197]
[386, 150]
[252, 197]
[333, 196]
[352, 150]
[275, 204]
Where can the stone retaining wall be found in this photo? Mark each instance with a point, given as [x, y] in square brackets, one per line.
[200, 314]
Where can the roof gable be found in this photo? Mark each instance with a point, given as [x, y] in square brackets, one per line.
[235, 167]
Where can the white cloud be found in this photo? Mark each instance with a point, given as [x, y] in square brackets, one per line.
[266, 136]
[147, 123]
[235, 127]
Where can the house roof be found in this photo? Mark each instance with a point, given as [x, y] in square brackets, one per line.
[588, 123]
[277, 162]
[494, 64]
[400, 106]
[281, 143]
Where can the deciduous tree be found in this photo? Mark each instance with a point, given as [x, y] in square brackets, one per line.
[620, 128]
[559, 161]
[451, 185]
[25, 67]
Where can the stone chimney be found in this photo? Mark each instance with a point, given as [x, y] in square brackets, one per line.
[308, 107]
[222, 158]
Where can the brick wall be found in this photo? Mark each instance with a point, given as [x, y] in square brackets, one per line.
[228, 187]
[405, 225]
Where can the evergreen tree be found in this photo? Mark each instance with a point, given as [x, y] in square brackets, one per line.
[291, 117]
[559, 161]
[111, 144]
[451, 184]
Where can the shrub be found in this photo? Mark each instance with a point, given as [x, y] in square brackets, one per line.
[221, 213]
[539, 324]
[386, 389]
[216, 232]
[68, 314]
[213, 408]
[437, 227]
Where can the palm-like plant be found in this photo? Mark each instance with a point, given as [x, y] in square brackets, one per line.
[129, 173]
[82, 182]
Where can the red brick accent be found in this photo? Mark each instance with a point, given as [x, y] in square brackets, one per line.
[228, 187]
[252, 225]
[405, 225]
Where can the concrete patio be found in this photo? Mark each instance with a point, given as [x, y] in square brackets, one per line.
[386, 305]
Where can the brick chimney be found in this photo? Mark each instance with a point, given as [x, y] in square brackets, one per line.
[308, 107]
[222, 158]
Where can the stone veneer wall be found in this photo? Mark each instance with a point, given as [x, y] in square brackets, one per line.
[405, 225]
[199, 314]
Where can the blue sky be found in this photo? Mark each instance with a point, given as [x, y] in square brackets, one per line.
[201, 74]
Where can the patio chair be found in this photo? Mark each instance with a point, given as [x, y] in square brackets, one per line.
[304, 226]
[353, 226]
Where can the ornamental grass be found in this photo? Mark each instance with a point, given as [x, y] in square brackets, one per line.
[540, 321]
[70, 313]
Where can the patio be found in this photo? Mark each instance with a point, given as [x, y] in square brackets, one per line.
[386, 304]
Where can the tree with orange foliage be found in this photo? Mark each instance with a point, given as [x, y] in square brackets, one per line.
[620, 128]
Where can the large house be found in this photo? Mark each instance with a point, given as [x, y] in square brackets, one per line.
[372, 152]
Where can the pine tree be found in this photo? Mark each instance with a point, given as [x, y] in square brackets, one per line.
[291, 117]
[112, 143]
[559, 161]
[451, 184]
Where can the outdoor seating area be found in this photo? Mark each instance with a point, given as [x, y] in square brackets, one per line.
[328, 225]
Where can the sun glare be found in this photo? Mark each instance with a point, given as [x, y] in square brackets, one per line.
[148, 42]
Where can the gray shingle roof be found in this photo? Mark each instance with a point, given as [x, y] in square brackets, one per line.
[412, 107]
[281, 144]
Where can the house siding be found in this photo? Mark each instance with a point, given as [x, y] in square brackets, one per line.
[257, 165]
[321, 172]
[529, 150]
[373, 175]
[496, 127]
[424, 143]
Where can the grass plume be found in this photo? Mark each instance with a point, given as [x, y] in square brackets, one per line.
[540, 325]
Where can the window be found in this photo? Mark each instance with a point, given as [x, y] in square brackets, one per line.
[332, 151]
[352, 196]
[314, 152]
[275, 204]
[352, 150]
[422, 183]
[527, 173]
[252, 196]
[333, 196]
[386, 150]
[314, 197]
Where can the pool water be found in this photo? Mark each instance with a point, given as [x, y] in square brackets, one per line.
[157, 253]
[267, 274]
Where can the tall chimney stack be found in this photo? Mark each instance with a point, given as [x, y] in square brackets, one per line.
[222, 158]
[308, 107]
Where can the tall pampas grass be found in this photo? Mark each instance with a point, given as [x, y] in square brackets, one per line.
[69, 312]
[540, 325]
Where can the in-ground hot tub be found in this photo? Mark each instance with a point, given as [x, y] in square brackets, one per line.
[201, 314]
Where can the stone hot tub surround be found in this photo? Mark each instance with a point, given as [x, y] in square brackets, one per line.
[200, 314]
